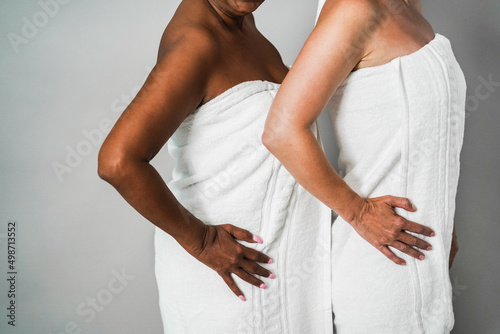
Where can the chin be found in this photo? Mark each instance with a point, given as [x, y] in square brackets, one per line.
[247, 6]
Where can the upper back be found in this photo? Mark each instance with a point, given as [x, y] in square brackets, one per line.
[395, 28]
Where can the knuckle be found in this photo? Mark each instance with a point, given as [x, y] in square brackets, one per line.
[234, 258]
[254, 268]
[239, 248]
[386, 240]
[399, 223]
[405, 249]
[242, 251]
[222, 272]
[414, 242]
[393, 234]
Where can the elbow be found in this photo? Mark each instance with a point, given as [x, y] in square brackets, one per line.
[268, 139]
[110, 166]
[273, 138]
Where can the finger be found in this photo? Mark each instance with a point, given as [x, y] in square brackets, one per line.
[400, 202]
[391, 256]
[242, 234]
[414, 241]
[418, 228]
[408, 250]
[250, 279]
[255, 269]
[254, 255]
[232, 285]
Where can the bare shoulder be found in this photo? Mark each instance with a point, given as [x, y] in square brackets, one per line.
[189, 36]
[363, 8]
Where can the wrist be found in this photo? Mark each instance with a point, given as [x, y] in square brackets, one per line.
[194, 237]
[352, 211]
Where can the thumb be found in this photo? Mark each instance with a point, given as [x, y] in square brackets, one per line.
[242, 234]
[401, 202]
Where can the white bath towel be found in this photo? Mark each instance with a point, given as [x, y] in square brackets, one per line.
[224, 175]
[321, 3]
[400, 129]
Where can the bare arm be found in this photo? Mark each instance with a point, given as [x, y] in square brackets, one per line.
[334, 48]
[174, 89]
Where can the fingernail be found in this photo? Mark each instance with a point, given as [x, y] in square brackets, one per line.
[421, 257]
[403, 263]
[433, 234]
[270, 261]
[258, 239]
[242, 298]
[429, 248]
[263, 286]
[272, 276]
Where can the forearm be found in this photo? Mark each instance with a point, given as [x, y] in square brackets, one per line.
[303, 157]
[144, 189]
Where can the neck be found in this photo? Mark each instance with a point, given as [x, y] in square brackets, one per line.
[226, 16]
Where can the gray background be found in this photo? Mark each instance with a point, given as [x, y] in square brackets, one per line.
[76, 71]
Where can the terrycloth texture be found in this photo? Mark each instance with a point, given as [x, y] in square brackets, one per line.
[224, 175]
[400, 129]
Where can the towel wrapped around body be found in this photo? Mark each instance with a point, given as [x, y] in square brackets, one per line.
[399, 129]
[224, 175]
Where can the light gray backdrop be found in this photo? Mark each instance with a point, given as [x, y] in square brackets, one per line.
[84, 258]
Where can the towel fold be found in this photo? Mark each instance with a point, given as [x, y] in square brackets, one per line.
[224, 175]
